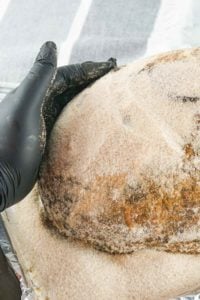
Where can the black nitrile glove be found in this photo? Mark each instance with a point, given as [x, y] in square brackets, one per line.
[22, 129]
[71, 80]
[29, 110]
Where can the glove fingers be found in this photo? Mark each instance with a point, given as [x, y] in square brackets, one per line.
[54, 108]
[64, 98]
[44, 65]
[71, 80]
[22, 129]
[73, 76]
[47, 54]
[37, 83]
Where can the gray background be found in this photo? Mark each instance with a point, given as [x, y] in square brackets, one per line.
[115, 28]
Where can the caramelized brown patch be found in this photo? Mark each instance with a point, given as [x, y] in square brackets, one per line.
[156, 209]
[128, 216]
[146, 206]
[164, 58]
[189, 151]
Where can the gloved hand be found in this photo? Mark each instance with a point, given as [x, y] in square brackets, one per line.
[69, 81]
[27, 111]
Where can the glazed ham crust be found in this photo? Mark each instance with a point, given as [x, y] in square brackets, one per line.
[122, 168]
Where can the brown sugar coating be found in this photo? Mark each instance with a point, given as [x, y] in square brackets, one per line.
[122, 168]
